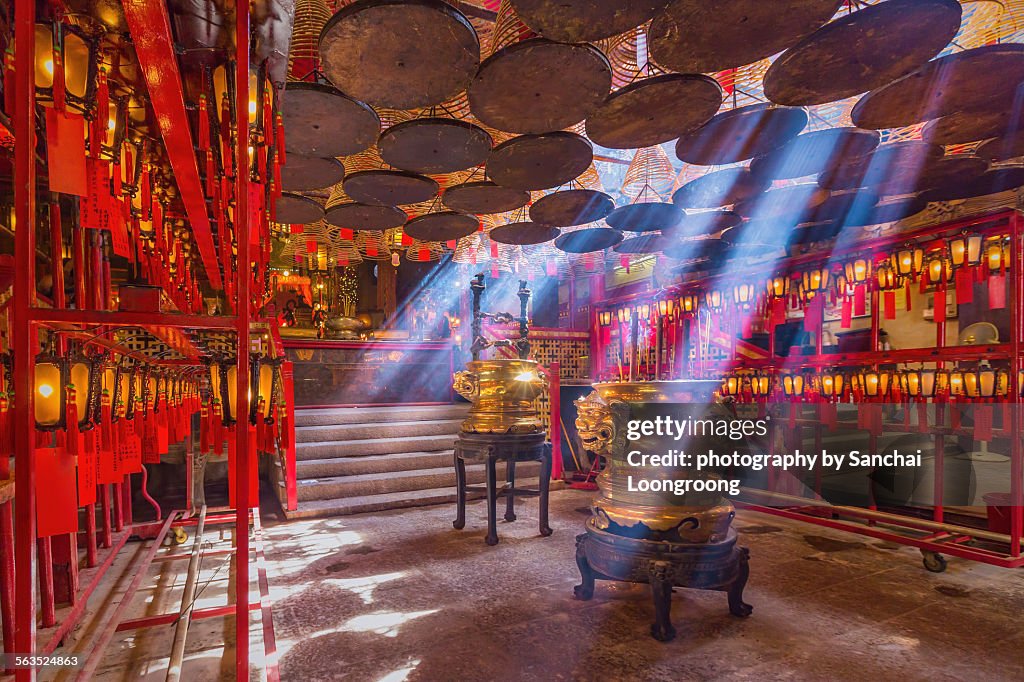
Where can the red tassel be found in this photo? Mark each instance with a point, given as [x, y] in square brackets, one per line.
[106, 426]
[964, 286]
[204, 125]
[996, 292]
[847, 315]
[906, 289]
[954, 416]
[204, 429]
[889, 302]
[59, 88]
[940, 305]
[860, 304]
[279, 121]
[983, 423]
[9, 80]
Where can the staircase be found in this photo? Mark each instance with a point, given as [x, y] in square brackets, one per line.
[356, 460]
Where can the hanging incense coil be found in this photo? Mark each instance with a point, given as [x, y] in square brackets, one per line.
[649, 171]
[590, 179]
[310, 17]
[424, 252]
[411, 53]
[373, 245]
[508, 29]
[886, 41]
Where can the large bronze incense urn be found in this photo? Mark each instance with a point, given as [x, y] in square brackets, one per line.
[502, 392]
[659, 535]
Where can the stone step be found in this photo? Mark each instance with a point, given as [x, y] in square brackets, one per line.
[400, 481]
[378, 415]
[348, 432]
[373, 446]
[401, 500]
[372, 464]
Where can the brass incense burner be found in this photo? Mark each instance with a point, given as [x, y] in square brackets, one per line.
[502, 390]
[502, 393]
[661, 538]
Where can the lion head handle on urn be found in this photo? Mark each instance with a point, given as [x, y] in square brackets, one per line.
[465, 384]
[602, 425]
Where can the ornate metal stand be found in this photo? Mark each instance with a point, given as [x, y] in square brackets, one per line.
[663, 565]
[509, 448]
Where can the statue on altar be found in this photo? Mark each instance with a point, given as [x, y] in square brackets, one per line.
[319, 320]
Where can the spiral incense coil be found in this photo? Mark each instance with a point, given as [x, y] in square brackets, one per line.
[373, 245]
[623, 57]
[508, 29]
[345, 252]
[304, 47]
[649, 173]
[470, 251]
[424, 252]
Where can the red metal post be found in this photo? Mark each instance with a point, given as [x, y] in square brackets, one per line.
[1016, 446]
[7, 574]
[242, 228]
[555, 400]
[290, 473]
[22, 332]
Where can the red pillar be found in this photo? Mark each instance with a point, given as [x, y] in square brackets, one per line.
[22, 333]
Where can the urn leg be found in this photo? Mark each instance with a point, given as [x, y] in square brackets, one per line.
[737, 606]
[585, 590]
[660, 576]
[545, 484]
[460, 492]
[510, 499]
[492, 503]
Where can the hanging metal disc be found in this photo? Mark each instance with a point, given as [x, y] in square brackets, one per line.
[794, 202]
[697, 36]
[306, 173]
[523, 233]
[588, 240]
[357, 216]
[580, 21]
[892, 169]
[887, 211]
[296, 209]
[534, 162]
[389, 187]
[571, 207]
[981, 79]
[815, 152]
[646, 217]
[720, 188]
[402, 54]
[1002, 148]
[434, 145]
[996, 179]
[862, 50]
[537, 85]
[696, 250]
[648, 112]
[969, 126]
[484, 197]
[321, 121]
[644, 244]
[741, 134]
[441, 227]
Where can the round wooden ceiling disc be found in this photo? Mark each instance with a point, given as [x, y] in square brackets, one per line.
[995, 180]
[704, 224]
[403, 54]
[719, 188]
[888, 211]
[644, 244]
[648, 112]
[588, 240]
[814, 232]
[984, 78]
[389, 187]
[533, 162]
[483, 198]
[321, 121]
[1002, 148]
[861, 51]
[434, 145]
[758, 232]
[571, 207]
[841, 205]
[536, 86]
[815, 152]
[968, 126]
[305, 173]
[356, 216]
[524, 233]
[741, 134]
[696, 36]
[648, 217]
[957, 169]
[296, 209]
[796, 201]
[580, 21]
[892, 168]
[441, 227]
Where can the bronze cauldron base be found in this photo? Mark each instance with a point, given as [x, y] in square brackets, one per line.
[721, 566]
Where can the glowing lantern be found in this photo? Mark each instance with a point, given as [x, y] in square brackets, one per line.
[688, 303]
[832, 384]
[714, 300]
[908, 261]
[793, 385]
[743, 294]
[48, 383]
[965, 249]
[778, 286]
[857, 271]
